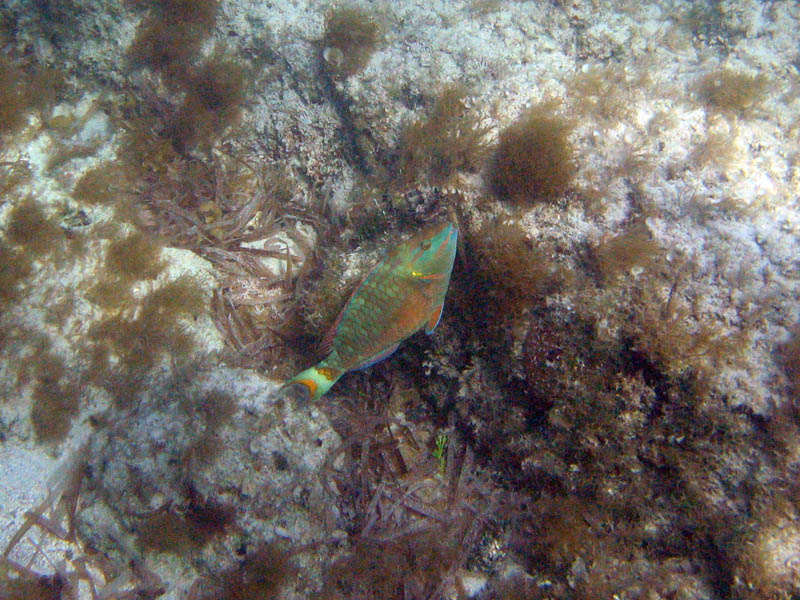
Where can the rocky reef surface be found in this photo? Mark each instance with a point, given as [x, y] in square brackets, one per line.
[609, 406]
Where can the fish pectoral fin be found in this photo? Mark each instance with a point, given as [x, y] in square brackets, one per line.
[386, 353]
[431, 277]
[433, 319]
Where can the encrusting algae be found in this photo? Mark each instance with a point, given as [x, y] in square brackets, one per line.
[402, 294]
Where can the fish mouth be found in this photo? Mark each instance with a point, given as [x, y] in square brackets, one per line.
[443, 239]
[444, 232]
[446, 241]
[450, 232]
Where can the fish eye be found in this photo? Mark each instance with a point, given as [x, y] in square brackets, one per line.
[425, 245]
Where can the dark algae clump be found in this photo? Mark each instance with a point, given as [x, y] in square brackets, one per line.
[351, 36]
[729, 90]
[23, 89]
[137, 256]
[30, 228]
[168, 529]
[384, 570]
[214, 93]
[31, 587]
[172, 33]
[451, 139]
[101, 185]
[259, 577]
[789, 357]
[534, 159]
[617, 255]
[133, 258]
[516, 269]
[56, 398]
[15, 266]
[142, 331]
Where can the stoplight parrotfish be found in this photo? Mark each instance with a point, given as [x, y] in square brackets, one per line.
[402, 294]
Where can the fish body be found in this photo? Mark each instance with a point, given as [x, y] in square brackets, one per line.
[402, 294]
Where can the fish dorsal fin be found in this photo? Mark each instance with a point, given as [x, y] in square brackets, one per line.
[385, 353]
[433, 319]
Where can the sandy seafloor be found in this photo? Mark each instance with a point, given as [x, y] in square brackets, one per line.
[720, 185]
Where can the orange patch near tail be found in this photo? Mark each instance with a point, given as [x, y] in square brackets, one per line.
[310, 384]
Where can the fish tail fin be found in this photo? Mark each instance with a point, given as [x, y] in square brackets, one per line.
[317, 380]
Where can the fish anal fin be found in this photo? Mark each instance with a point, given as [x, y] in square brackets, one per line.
[385, 353]
[433, 319]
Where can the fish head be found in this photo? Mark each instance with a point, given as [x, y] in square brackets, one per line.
[431, 252]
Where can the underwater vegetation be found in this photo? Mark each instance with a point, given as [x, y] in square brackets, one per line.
[127, 260]
[764, 556]
[25, 89]
[56, 397]
[732, 91]
[167, 183]
[143, 331]
[99, 185]
[605, 92]
[29, 228]
[193, 525]
[214, 93]
[586, 443]
[416, 522]
[56, 517]
[634, 248]
[171, 34]
[15, 266]
[534, 159]
[351, 36]
[789, 357]
[389, 569]
[33, 587]
[168, 43]
[718, 150]
[12, 174]
[134, 331]
[259, 577]
[517, 269]
[137, 256]
[674, 336]
[570, 409]
[452, 138]
[165, 190]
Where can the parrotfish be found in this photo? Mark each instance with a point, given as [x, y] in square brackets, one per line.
[402, 294]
